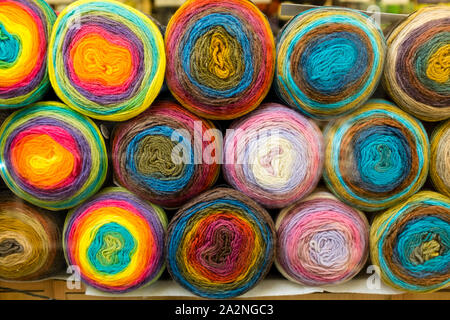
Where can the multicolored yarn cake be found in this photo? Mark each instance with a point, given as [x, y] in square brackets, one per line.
[321, 241]
[417, 73]
[376, 156]
[117, 241]
[274, 155]
[106, 59]
[440, 158]
[166, 155]
[411, 243]
[329, 61]
[220, 244]
[52, 156]
[30, 241]
[220, 57]
[25, 27]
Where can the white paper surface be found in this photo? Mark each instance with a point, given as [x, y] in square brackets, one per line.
[266, 288]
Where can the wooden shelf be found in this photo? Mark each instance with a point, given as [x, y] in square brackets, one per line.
[57, 289]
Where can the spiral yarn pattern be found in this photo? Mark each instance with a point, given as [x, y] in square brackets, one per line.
[321, 241]
[220, 244]
[440, 158]
[106, 59]
[274, 155]
[52, 156]
[220, 57]
[375, 157]
[417, 73]
[117, 241]
[411, 243]
[166, 155]
[25, 27]
[30, 241]
[329, 61]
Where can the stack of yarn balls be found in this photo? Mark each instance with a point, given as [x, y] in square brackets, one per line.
[345, 114]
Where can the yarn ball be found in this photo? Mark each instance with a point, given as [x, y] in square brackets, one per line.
[220, 244]
[274, 155]
[106, 59]
[162, 155]
[25, 27]
[52, 156]
[417, 72]
[30, 241]
[117, 241]
[321, 241]
[375, 157]
[440, 158]
[329, 61]
[410, 243]
[220, 57]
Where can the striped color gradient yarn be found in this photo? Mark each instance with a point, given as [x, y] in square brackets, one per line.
[52, 156]
[440, 158]
[106, 59]
[25, 27]
[329, 61]
[417, 73]
[221, 244]
[411, 243]
[161, 155]
[274, 155]
[376, 156]
[30, 241]
[321, 241]
[117, 241]
[220, 57]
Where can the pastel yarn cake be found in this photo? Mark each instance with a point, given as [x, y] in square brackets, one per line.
[117, 241]
[329, 61]
[417, 73]
[411, 243]
[321, 241]
[106, 59]
[274, 155]
[52, 156]
[220, 244]
[30, 241]
[220, 57]
[166, 155]
[376, 156]
[440, 158]
[25, 27]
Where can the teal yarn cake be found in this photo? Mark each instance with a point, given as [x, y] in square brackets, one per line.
[376, 156]
[410, 243]
[329, 61]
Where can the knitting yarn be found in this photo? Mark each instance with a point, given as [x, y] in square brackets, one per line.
[417, 73]
[321, 241]
[220, 57]
[220, 244]
[410, 243]
[274, 155]
[144, 150]
[329, 61]
[52, 156]
[106, 59]
[440, 158]
[376, 156]
[25, 27]
[30, 241]
[117, 241]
